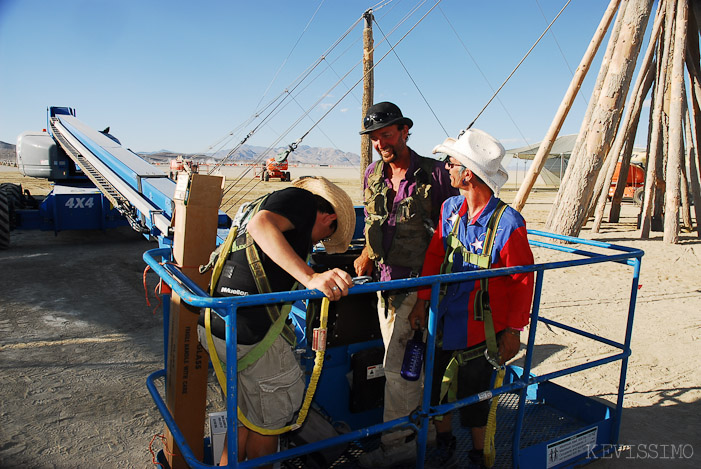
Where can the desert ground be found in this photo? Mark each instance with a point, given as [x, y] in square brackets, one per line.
[78, 338]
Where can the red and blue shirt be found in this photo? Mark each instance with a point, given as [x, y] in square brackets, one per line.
[510, 296]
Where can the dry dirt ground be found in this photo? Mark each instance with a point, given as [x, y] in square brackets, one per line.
[78, 341]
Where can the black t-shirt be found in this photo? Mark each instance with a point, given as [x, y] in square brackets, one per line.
[299, 207]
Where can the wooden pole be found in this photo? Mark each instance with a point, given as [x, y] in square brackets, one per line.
[629, 126]
[625, 136]
[584, 127]
[615, 211]
[655, 145]
[687, 151]
[692, 172]
[564, 109]
[604, 122]
[694, 132]
[368, 92]
[675, 152]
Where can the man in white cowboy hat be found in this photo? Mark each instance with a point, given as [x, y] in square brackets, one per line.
[403, 194]
[460, 244]
[283, 230]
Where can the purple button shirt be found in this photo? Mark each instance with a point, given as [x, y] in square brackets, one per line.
[440, 190]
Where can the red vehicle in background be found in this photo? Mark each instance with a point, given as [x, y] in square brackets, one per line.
[273, 170]
[634, 182]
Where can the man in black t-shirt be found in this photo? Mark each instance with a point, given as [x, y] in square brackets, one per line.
[284, 230]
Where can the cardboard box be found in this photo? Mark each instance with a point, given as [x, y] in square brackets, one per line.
[196, 220]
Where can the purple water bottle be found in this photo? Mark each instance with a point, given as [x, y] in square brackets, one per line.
[413, 357]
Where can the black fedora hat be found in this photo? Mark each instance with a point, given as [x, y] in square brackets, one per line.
[383, 114]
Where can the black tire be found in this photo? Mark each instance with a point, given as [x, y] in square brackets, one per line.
[287, 176]
[13, 193]
[638, 196]
[266, 176]
[14, 200]
[4, 222]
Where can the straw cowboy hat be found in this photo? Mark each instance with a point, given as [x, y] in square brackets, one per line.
[342, 205]
[381, 115]
[480, 153]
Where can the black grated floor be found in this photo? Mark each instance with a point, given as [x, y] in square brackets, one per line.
[542, 423]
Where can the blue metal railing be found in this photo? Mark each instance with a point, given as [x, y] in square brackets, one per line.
[227, 307]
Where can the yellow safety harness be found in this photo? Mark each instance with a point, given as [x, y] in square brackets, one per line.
[278, 316]
[482, 312]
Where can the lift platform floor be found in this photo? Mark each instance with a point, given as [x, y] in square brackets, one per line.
[541, 423]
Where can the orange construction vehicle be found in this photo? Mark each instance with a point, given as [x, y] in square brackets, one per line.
[634, 182]
[273, 170]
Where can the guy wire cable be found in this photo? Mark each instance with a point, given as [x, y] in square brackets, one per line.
[414, 82]
[297, 81]
[290, 128]
[262, 156]
[324, 56]
[282, 65]
[372, 68]
[562, 53]
[305, 75]
[483, 75]
[514, 70]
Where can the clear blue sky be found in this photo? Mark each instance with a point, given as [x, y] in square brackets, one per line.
[182, 75]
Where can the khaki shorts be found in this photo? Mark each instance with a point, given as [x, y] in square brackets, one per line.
[270, 390]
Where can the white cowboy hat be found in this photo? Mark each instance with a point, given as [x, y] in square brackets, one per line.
[342, 205]
[480, 153]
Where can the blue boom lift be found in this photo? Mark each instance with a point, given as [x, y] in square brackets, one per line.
[100, 184]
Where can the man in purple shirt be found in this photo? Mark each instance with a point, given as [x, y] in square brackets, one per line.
[403, 195]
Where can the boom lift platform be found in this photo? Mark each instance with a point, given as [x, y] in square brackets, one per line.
[540, 424]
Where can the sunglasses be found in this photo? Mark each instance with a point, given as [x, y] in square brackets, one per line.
[379, 118]
[450, 165]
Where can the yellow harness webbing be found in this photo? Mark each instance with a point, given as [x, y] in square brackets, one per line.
[482, 312]
[311, 389]
[278, 317]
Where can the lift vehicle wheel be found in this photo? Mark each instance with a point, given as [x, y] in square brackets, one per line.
[14, 200]
[4, 222]
[638, 196]
[266, 176]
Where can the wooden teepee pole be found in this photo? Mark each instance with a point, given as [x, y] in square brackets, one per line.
[694, 131]
[655, 146]
[625, 136]
[576, 83]
[692, 171]
[675, 152]
[577, 195]
[629, 126]
[596, 92]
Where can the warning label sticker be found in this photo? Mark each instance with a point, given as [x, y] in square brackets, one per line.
[375, 371]
[567, 448]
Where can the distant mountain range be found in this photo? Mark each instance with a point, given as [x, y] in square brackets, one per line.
[7, 152]
[246, 154]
